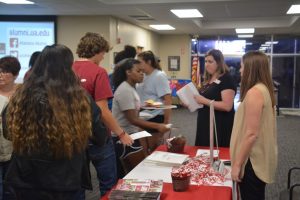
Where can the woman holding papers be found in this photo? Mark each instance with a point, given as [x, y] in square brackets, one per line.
[218, 89]
[253, 145]
[126, 102]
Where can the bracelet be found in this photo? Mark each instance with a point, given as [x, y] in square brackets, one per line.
[122, 134]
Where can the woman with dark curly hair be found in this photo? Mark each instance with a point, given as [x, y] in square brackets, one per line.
[49, 121]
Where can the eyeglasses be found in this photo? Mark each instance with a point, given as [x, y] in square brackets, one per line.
[5, 73]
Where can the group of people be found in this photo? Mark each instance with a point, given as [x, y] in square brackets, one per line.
[59, 119]
[251, 131]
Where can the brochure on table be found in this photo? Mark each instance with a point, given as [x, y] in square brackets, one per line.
[166, 158]
[155, 170]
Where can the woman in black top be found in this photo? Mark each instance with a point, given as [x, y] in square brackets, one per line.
[218, 86]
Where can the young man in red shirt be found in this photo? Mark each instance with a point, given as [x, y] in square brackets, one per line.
[91, 50]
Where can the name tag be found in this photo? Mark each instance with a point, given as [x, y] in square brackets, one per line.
[217, 81]
[83, 80]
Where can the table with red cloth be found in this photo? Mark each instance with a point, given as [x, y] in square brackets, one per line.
[194, 191]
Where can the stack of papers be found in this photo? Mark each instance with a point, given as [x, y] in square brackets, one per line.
[186, 95]
[166, 158]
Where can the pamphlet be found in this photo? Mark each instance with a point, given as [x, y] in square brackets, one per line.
[139, 135]
[137, 189]
[166, 158]
[186, 95]
[207, 152]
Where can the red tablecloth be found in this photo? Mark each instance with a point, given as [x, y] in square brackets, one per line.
[194, 191]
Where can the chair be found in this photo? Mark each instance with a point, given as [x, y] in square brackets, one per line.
[290, 193]
[132, 159]
[151, 143]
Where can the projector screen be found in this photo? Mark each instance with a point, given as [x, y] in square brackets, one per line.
[21, 38]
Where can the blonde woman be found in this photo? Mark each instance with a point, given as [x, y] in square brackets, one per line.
[253, 145]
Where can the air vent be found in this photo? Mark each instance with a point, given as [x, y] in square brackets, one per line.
[142, 17]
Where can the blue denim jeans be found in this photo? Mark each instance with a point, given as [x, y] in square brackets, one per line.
[104, 161]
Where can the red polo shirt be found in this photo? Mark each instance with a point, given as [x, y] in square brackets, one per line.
[94, 79]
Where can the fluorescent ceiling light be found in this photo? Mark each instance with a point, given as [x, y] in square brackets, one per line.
[270, 42]
[265, 45]
[16, 2]
[187, 13]
[244, 30]
[294, 9]
[249, 43]
[245, 36]
[162, 27]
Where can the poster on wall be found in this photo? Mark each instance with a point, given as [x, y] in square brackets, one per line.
[177, 84]
[174, 63]
[196, 74]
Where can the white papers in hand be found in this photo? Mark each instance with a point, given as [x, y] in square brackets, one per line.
[139, 135]
[186, 95]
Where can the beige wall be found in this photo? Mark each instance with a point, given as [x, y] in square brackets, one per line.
[132, 35]
[71, 28]
[176, 45]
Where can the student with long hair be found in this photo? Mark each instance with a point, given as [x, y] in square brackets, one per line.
[155, 86]
[126, 102]
[253, 145]
[219, 89]
[49, 121]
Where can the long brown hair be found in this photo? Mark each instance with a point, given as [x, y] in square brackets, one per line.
[50, 113]
[256, 70]
[149, 56]
[219, 58]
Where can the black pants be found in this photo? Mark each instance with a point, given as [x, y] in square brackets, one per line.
[27, 194]
[251, 187]
[156, 119]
